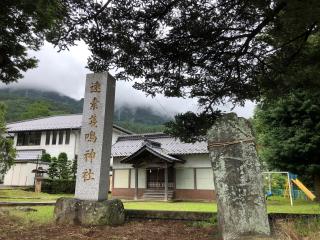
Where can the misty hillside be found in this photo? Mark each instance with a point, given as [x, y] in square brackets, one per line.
[29, 103]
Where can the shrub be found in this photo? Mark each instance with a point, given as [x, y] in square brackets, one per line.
[61, 167]
[46, 157]
[64, 168]
[53, 168]
[55, 186]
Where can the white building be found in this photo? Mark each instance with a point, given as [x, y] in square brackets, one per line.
[52, 135]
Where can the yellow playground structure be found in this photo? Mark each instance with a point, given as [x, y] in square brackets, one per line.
[302, 187]
[291, 178]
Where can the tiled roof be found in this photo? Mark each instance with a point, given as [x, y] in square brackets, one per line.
[73, 121]
[127, 145]
[154, 150]
[27, 155]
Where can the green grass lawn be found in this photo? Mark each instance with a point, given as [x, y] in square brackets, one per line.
[282, 205]
[45, 213]
[20, 195]
[172, 206]
[274, 205]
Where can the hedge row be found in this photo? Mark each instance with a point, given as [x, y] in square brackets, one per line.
[55, 186]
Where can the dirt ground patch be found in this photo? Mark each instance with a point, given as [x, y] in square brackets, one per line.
[132, 230]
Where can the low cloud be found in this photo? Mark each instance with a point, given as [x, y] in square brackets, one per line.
[65, 72]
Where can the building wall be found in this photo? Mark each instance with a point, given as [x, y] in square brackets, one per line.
[195, 173]
[70, 149]
[194, 194]
[142, 178]
[195, 161]
[118, 165]
[204, 179]
[121, 178]
[184, 178]
[115, 134]
[21, 174]
[125, 178]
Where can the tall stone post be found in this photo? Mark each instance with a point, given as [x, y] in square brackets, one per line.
[96, 138]
[237, 178]
[90, 206]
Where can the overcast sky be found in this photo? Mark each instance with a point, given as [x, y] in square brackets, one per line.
[65, 73]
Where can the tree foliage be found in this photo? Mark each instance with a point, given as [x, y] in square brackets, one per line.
[73, 170]
[24, 25]
[211, 50]
[214, 51]
[36, 109]
[46, 157]
[61, 167]
[7, 151]
[288, 132]
[53, 168]
[190, 127]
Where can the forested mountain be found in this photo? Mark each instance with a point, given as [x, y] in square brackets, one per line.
[30, 103]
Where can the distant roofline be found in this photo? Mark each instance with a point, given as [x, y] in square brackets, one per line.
[144, 135]
[38, 118]
[126, 145]
[122, 129]
[164, 156]
[61, 115]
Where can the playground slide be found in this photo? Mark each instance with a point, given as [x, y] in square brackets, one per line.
[303, 188]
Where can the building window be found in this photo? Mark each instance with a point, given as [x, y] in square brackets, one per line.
[54, 137]
[48, 134]
[67, 141]
[29, 138]
[61, 137]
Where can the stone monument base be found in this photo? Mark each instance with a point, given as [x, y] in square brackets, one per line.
[84, 212]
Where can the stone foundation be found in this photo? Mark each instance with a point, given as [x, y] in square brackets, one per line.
[84, 212]
[179, 194]
[195, 195]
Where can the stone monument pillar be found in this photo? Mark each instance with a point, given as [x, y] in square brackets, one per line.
[90, 206]
[96, 138]
[238, 179]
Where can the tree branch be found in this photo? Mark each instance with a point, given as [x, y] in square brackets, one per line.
[258, 29]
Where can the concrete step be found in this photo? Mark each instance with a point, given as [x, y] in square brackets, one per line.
[157, 194]
[157, 190]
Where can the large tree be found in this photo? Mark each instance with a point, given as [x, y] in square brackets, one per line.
[7, 151]
[23, 25]
[288, 133]
[215, 51]
[26, 24]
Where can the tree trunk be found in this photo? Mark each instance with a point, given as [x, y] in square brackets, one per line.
[317, 187]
